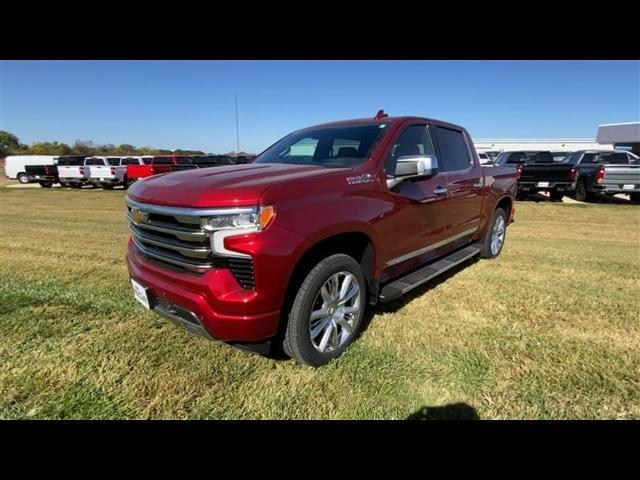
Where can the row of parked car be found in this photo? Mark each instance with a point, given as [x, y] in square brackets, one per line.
[585, 174]
[76, 171]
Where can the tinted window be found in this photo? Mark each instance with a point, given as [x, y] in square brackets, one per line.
[113, 160]
[94, 161]
[453, 150]
[184, 161]
[543, 157]
[147, 161]
[70, 161]
[330, 147]
[604, 158]
[415, 140]
[130, 161]
[572, 158]
[162, 161]
[514, 157]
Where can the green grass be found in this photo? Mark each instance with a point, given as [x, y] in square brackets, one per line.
[551, 329]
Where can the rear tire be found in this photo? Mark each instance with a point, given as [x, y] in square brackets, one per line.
[76, 185]
[634, 197]
[496, 235]
[334, 291]
[582, 195]
[23, 179]
[64, 184]
[45, 184]
[555, 196]
[107, 186]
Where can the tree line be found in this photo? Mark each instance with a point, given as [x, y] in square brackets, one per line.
[10, 145]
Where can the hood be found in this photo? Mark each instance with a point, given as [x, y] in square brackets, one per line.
[226, 186]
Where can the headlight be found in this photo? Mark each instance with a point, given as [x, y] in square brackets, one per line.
[242, 218]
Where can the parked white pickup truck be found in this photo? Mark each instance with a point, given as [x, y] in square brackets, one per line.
[113, 174]
[104, 172]
[71, 171]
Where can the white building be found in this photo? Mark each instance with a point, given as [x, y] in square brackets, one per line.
[625, 135]
[550, 144]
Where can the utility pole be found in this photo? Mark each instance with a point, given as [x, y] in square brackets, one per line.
[237, 129]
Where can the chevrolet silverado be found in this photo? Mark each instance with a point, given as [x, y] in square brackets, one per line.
[286, 252]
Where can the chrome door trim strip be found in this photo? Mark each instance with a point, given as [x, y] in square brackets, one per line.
[415, 253]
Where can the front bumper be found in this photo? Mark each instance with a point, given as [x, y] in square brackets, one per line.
[223, 309]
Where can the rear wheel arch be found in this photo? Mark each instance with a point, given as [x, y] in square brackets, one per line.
[506, 204]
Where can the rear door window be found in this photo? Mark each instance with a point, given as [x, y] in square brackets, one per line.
[453, 150]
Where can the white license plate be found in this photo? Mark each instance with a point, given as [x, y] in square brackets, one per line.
[140, 293]
[628, 187]
[543, 184]
[37, 176]
[101, 179]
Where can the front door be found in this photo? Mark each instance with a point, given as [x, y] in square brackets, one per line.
[417, 220]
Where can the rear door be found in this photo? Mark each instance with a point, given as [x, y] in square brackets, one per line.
[464, 181]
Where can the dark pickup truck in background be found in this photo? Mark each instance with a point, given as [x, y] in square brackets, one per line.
[204, 161]
[604, 172]
[537, 171]
[45, 175]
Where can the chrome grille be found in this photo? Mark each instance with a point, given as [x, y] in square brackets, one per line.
[174, 236]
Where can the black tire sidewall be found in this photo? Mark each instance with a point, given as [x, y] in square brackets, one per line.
[297, 334]
[486, 246]
[581, 191]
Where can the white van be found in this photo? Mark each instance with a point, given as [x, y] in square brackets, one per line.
[14, 165]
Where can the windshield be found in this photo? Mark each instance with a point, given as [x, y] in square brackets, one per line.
[329, 147]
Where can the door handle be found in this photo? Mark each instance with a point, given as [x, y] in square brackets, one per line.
[440, 191]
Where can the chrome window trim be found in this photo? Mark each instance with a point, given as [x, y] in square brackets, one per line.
[415, 253]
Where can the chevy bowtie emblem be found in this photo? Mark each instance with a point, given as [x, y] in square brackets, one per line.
[139, 216]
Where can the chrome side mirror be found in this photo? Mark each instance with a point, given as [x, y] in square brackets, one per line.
[413, 166]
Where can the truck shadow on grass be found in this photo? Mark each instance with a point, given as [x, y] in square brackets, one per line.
[452, 411]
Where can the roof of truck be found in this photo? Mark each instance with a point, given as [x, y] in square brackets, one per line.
[383, 121]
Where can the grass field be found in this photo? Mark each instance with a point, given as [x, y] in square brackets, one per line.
[551, 329]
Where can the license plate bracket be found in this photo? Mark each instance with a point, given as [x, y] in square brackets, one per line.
[140, 294]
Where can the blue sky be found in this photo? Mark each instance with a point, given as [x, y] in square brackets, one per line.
[190, 104]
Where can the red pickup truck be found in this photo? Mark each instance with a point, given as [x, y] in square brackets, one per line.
[286, 252]
[153, 166]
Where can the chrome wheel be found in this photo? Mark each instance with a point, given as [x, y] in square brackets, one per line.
[334, 312]
[497, 235]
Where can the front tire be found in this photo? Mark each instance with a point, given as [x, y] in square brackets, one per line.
[495, 236]
[23, 179]
[327, 312]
